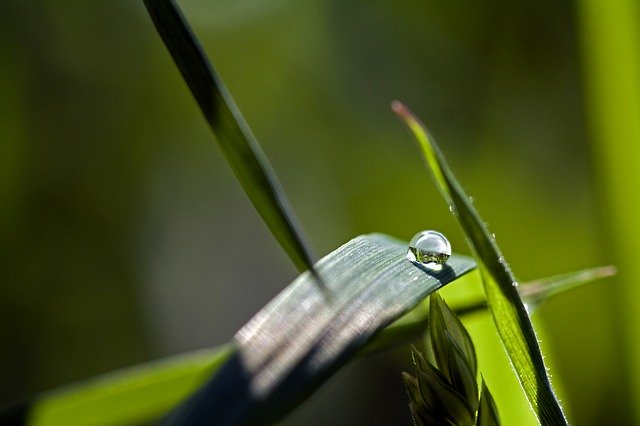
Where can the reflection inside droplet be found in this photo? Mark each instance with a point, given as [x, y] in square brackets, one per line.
[429, 248]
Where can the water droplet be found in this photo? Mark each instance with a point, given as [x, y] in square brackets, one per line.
[429, 248]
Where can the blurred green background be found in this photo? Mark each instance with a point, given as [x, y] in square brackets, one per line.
[124, 236]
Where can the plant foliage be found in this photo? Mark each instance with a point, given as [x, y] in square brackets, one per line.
[444, 390]
[501, 288]
[296, 342]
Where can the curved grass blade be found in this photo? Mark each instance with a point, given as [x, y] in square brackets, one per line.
[290, 347]
[158, 386]
[239, 146]
[298, 340]
[130, 396]
[506, 306]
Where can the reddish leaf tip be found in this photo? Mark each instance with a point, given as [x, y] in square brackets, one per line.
[401, 109]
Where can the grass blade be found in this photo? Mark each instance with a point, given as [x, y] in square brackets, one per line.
[286, 351]
[533, 293]
[239, 146]
[299, 339]
[505, 304]
[169, 381]
[131, 396]
[536, 292]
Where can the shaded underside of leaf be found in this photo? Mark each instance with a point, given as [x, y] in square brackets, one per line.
[239, 146]
[300, 338]
[508, 311]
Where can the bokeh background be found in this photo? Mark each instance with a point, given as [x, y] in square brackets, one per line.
[124, 236]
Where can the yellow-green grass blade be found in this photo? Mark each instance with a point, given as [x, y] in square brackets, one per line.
[506, 306]
[130, 396]
[237, 142]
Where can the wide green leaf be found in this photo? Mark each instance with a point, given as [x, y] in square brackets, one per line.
[501, 288]
[280, 357]
[300, 338]
[535, 292]
[152, 389]
[239, 146]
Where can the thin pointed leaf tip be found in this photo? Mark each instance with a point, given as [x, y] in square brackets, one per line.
[500, 286]
[238, 144]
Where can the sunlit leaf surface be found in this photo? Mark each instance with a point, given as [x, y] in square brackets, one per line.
[300, 338]
[501, 287]
[278, 359]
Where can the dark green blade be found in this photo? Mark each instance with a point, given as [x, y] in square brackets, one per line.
[487, 411]
[299, 339]
[239, 146]
[500, 286]
[285, 352]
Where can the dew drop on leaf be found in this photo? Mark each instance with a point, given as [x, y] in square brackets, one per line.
[429, 248]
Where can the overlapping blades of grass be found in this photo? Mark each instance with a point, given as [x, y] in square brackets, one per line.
[533, 293]
[536, 292]
[279, 358]
[505, 304]
[299, 339]
[239, 146]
